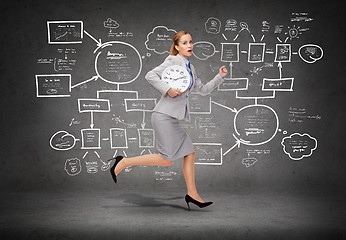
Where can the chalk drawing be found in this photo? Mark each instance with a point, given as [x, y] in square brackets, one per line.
[212, 25]
[73, 166]
[62, 141]
[298, 146]
[159, 39]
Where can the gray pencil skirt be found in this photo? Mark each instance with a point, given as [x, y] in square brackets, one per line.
[172, 142]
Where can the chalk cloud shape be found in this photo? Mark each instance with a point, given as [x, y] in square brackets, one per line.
[160, 39]
[110, 23]
[248, 162]
[297, 146]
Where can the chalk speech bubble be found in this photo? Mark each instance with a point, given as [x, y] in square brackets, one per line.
[160, 39]
[297, 146]
[203, 50]
[310, 53]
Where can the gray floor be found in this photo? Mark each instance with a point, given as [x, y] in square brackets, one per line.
[163, 214]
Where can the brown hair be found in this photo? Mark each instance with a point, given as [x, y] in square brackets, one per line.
[175, 40]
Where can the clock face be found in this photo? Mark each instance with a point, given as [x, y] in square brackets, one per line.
[177, 77]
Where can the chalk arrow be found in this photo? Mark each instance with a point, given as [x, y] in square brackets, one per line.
[230, 69]
[231, 109]
[143, 122]
[92, 120]
[89, 80]
[280, 67]
[99, 43]
[235, 145]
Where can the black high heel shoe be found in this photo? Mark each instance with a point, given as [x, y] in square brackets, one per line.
[117, 160]
[189, 199]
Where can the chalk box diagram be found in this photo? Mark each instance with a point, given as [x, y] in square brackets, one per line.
[118, 63]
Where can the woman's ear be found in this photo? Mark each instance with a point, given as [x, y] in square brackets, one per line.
[176, 47]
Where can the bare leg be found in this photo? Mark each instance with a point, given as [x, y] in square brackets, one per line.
[149, 159]
[189, 174]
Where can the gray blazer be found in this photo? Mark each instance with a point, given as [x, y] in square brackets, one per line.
[178, 107]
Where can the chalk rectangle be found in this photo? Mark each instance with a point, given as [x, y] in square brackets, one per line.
[118, 138]
[208, 153]
[91, 138]
[65, 32]
[256, 52]
[199, 104]
[53, 85]
[282, 84]
[283, 52]
[146, 138]
[142, 105]
[233, 84]
[93, 105]
[230, 52]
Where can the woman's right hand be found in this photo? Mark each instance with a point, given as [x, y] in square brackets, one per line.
[172, 92]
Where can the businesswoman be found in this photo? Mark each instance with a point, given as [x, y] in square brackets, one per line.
[172, 142]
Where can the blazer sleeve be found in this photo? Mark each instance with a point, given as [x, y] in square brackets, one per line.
[205, 89]
[154, 76]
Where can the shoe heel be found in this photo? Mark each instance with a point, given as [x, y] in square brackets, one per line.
[117, 160]
[188, 206]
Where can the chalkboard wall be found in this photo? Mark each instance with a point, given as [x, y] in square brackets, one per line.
[74, 92]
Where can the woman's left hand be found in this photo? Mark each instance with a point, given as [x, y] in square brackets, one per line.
[223, 71]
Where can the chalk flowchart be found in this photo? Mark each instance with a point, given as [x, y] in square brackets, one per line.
[119, 63]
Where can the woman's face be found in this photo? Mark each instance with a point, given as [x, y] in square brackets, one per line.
[185, 46]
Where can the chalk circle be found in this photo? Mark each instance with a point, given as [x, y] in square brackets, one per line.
[105, 167]
[203, 50]
[256, 124]
[293, 32]
[284, 132]
[62, 141]
[310, 53]
[244, 26]
[117, 62]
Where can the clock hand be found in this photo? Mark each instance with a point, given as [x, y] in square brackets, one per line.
[178, 78]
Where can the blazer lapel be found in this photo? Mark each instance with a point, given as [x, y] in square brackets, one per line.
[181, 61]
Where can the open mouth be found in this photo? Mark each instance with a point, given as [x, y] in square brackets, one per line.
[189, 51]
